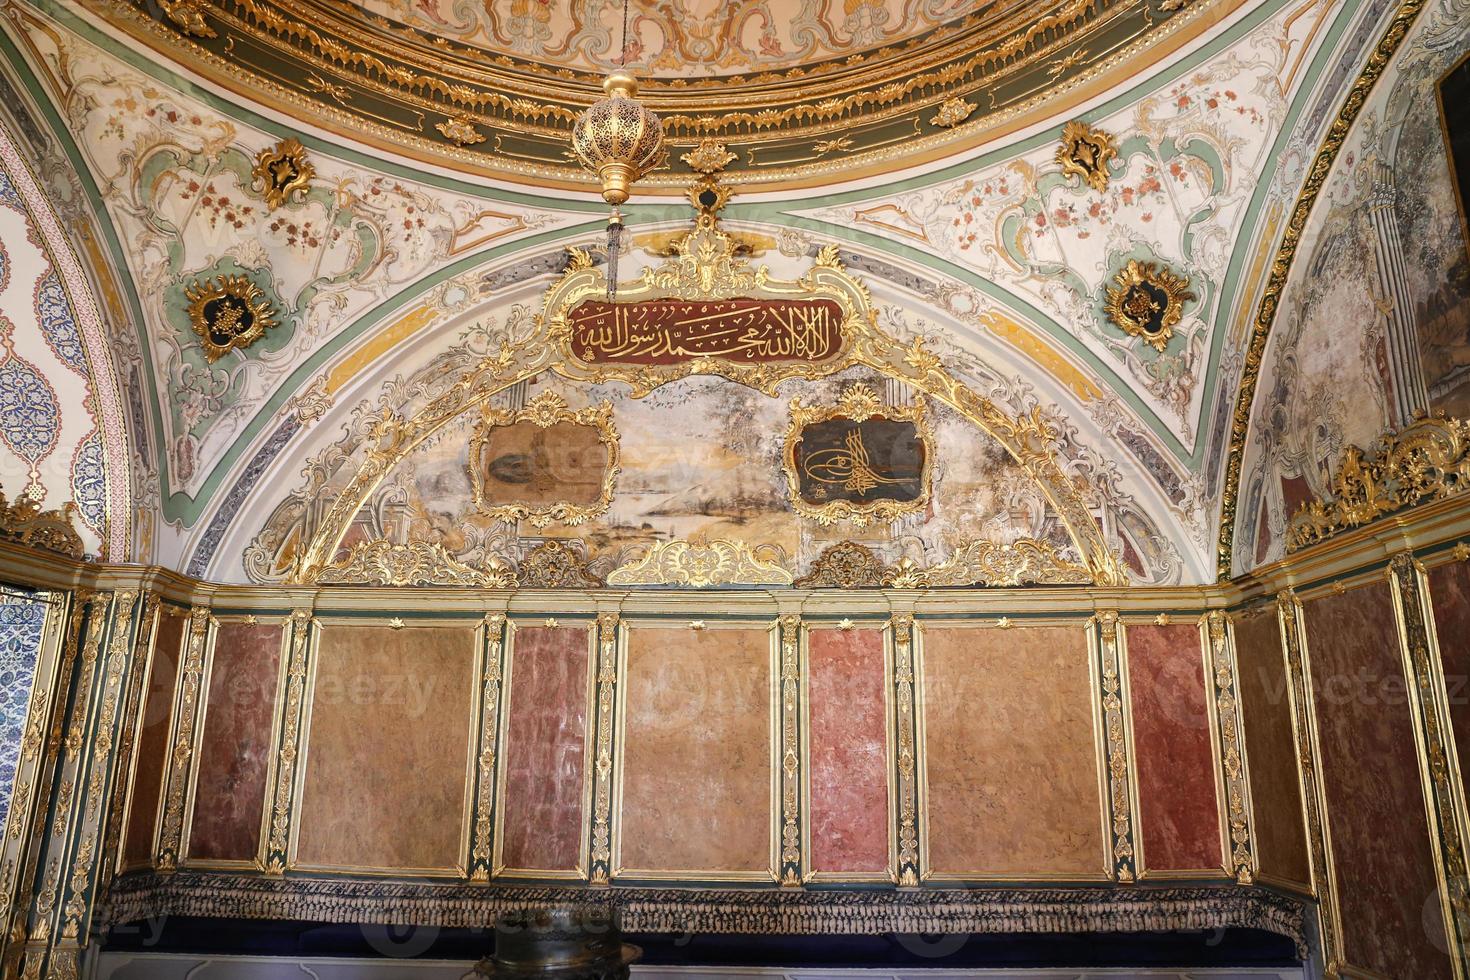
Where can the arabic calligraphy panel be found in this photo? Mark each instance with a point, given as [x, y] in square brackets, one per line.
[667, 331]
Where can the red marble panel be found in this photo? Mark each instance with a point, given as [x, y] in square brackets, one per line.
[1011, 753]
[387, 749]
[696, 752]
[545, 749]
[1270, 746]
[1178, 810]
[1449, 590]
[1381, 855]
[152, 746]
[848, 737]
[235, 746]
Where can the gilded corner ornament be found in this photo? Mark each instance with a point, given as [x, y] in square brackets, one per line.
[543, 469]
[228, 312]
[1147, 301]
[859, 461]
[554, 564]
[1086, 152]
[953, 112]
[416, 563]
[25, 523]
[460, 130]
[702, 565]
[1428, 459]
[281, 171]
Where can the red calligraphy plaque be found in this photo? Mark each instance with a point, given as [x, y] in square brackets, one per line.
[676, 331]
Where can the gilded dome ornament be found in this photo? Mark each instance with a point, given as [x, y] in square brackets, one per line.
[1086, 152]
[1147, 302]
[282, 170]
[228, 313]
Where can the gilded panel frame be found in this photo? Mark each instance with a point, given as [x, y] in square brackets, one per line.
[498, 868]
[1087, 629]
[546, 410]
[278, 710]
[771, 874]
[858, 403]
[811, 874]
[319, 624]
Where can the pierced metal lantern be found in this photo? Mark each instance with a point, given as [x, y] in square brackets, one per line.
[618, 139]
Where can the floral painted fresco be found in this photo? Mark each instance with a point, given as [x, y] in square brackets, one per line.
[22, 624]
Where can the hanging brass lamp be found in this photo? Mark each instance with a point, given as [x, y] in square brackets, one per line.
[618, 139]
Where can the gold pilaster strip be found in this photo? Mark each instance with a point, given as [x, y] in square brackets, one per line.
[905, 723]
[186, 717]
[1444, 794]
[1314, 799]
[289, 748]
[1230, 744]
[1115, 728]
[600, 870]
[492, 671]
[791, 863]
[124, 762]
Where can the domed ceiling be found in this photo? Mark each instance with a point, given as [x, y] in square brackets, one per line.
[795, 88]
[915, 142]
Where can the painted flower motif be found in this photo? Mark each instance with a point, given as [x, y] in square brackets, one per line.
[89, 482]
[21, 623]
[58, 324]
[30, 417]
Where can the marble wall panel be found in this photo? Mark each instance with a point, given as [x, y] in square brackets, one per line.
[1449, 590]
[152, 751]
[1381, 857]
[387, 748]
[847, 732]
[1178, 809]
[1270, 747]
[696, 752]
[1011, 753]
[544, 754]
[235, 743]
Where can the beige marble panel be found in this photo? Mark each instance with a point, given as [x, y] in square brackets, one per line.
[1010, 753]
[387, 748]
[696, 751]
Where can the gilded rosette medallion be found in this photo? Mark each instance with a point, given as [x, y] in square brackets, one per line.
[859, 461]
[228, 313]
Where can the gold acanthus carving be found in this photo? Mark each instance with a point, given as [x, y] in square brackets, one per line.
[25, 523]
[546, 410]
[555, 565]
[905, 717]
[1120, 791]
[171, 833]
[600, 869]
[701, 565]
[383, 562]
[1281, 264]
[1228, 723]
[707, 267]
[1428, 459]
[1086, 152]
[282, 170]
[482, 850]
[1026, 561]
[791, 871]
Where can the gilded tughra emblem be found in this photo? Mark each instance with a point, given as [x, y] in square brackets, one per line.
[228, 313]
[1147, 302]
[860, 461]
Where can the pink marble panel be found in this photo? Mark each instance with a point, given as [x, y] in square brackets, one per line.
[1011, 753]
[696, 755]
[1179, 816]
[545, 749]
[387, 749]
[848, 737]
[152, 746]
[1449, 590]
[1381, 853]
[234, 754]
[1270, 746]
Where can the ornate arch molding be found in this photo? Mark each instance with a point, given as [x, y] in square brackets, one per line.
[705, 267]
[103, 388]
[1281, 265]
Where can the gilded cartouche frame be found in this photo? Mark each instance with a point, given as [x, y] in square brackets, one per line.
[858, 403]
[283, 620]
[319, 624]
[771, 874]
[498, 868]
[811, 873]
[1087, 631]
[546, 410]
